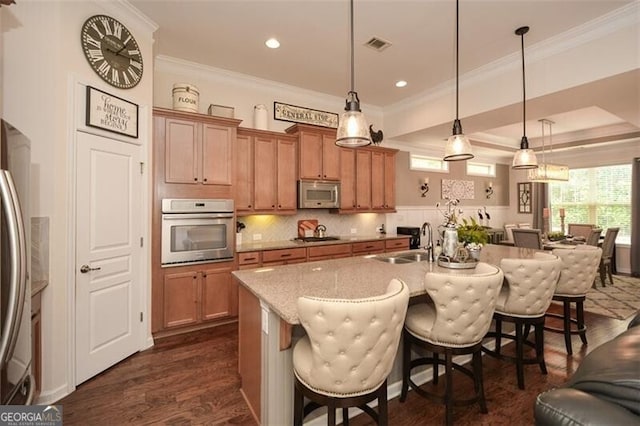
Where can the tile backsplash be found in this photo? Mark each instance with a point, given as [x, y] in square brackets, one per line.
[278, 228]
[39, 249]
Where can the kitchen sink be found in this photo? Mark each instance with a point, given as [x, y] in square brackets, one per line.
[393, 259]
[415, 257]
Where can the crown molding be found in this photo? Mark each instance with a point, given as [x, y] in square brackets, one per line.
[124, 9]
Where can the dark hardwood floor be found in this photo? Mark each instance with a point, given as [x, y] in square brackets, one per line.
[192, 379]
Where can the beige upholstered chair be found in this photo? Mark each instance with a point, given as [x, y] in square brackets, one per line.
[608, 246]
[579, 270]
[594, 237]
[529, 238]
[348, 352]
[525, 296]
[508, 231]
[524, 225]
[454, 323]
[580, 229]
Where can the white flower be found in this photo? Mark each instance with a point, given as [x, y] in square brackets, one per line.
[474, 246]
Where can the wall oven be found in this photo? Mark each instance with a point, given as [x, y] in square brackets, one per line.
[196, 231]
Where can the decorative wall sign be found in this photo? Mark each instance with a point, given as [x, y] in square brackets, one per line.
[111, 113]
[297, 114]
[458, 189]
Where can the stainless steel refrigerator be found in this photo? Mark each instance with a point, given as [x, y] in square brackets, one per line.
[16, 381]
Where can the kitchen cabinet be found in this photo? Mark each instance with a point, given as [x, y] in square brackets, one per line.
[368, 247]
[334, 251]
[249, 259]
[198, 152]
[196, 295]
[396, 244]
[284, 256]
[390, 180]
[273, 187]
[363, 179]
[243, 185]
[347, 179]
[383, 180]
[319, 156]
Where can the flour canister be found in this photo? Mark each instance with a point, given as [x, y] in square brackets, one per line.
[185, 97]
[260, 117]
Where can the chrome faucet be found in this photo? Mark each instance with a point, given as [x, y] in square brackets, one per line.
[429, 246]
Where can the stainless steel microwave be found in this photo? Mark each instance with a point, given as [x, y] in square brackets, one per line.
[318, 194]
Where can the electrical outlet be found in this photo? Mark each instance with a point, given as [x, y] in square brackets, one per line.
[354, 231]
[257, 237]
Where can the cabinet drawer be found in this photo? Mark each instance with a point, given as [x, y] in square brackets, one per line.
[332, 250]
[368, 246]
[284, 254]
[249, 258]
[397, 244]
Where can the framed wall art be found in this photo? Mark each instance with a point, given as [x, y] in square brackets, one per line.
[458, 189]
[111, 113]
[524, 197]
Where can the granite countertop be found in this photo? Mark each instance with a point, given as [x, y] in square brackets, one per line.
[285, 244]
[349, 278]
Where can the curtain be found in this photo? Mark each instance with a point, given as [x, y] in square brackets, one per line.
[635, 218]
[540, 201]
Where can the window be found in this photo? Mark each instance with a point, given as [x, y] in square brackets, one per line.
[600, 195]
[422, 162]
[481, 169]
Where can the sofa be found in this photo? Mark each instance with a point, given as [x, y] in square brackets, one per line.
[605, 389]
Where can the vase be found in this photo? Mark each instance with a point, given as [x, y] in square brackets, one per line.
[474, 254]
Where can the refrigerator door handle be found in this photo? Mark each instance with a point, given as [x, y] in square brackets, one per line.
[18, 277]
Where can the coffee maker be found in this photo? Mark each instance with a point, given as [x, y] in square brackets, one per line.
[414, 231]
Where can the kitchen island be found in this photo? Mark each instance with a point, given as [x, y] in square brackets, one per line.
[269, 324]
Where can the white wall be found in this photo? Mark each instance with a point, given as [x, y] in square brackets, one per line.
[41, 60]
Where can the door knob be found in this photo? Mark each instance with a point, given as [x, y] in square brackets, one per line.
[86, 268]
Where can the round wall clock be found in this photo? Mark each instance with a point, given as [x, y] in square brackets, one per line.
[112, 51]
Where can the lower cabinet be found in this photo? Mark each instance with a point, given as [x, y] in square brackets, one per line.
[199, 295]
[368, 247]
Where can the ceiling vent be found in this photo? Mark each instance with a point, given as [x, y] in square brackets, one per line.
[378, 44]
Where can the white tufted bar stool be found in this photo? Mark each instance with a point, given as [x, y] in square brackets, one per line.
[579, 270]
[348, 352]
[452, 323]
[525, 297]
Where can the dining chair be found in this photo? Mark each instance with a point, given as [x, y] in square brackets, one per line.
[608, 246]
[508, 231]
[529, 238]
[594, 237]
[348, 352]
[453, 324]
[579, 270]
[580, 229]
[529, 285]
[524, 225]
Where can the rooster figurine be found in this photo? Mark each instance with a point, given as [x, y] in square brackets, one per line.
[376, 137]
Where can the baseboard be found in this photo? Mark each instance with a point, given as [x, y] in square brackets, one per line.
[52, 396]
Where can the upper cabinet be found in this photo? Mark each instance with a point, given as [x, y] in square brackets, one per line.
[319, 156]
[194, 149]
[265, 172]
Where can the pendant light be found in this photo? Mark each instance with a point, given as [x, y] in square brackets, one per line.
[353, 130]
[524, 158]
[458, 146]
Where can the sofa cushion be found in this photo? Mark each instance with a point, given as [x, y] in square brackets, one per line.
[611, 371]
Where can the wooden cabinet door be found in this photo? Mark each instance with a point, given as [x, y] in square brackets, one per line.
[330, 158]
[286, 175]
[264, 179]
[363, 180]
[216, 154]
[217, 296]
[310, 155]
[180, 299]
[182, 151]
[244, 173]
[377, 180]
[390, 180]
[347, 178]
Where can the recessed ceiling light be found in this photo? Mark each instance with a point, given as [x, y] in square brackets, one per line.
[401, 83]
[272, 43]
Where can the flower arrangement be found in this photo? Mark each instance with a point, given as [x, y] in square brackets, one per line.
[474, 246]
[470, 232]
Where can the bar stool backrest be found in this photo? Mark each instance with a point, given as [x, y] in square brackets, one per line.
[579, 269]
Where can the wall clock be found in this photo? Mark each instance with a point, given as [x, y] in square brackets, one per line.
[111, 51]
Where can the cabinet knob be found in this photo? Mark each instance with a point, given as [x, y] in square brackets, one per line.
[249, 206]
[319, 175]
[195, 179]
[279, 206]
[273, 206]
[204, 180]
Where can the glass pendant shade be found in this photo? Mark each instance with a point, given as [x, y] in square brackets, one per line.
[353, 130]
[524, 158]
[458, 148]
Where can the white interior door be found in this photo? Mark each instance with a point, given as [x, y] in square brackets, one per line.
[108, 230]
